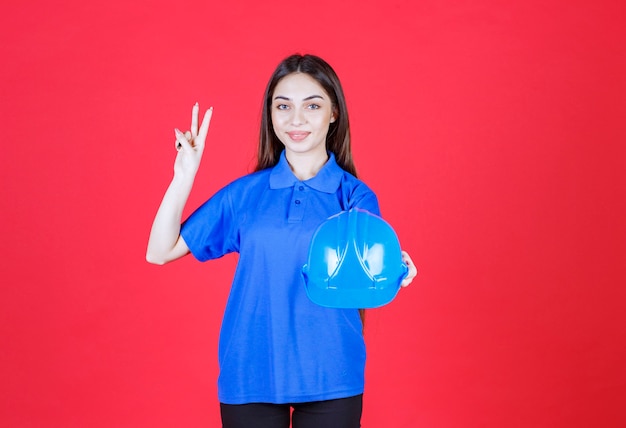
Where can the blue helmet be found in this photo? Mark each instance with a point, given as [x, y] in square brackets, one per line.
[354, 261]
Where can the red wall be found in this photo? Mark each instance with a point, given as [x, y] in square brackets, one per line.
[493, 132]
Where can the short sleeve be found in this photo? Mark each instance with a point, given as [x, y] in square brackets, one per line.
[368, 202]
[211, 232]
[357, 194]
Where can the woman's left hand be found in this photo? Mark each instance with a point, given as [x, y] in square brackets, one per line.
[412, 269]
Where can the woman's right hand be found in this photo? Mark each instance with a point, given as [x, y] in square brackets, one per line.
[190, 145]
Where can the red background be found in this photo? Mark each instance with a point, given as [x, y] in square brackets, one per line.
[493, 132]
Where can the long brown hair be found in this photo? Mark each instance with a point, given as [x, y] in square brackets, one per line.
[338, 138]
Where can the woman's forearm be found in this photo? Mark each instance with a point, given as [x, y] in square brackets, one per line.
[165, 244]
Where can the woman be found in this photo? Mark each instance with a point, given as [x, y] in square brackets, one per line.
[278, 350]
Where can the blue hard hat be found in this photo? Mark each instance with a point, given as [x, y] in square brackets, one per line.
[354, 261]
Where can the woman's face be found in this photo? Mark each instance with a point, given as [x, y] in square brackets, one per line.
[301, 114]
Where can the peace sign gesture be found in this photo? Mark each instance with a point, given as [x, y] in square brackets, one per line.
[190, 145]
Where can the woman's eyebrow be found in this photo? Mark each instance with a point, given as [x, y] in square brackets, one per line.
[311, 97]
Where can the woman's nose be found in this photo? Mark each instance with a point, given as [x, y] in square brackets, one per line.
[298, 117]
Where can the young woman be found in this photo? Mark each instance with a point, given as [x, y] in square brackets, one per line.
[278, 350]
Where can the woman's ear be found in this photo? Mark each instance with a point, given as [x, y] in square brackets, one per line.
[333, 116]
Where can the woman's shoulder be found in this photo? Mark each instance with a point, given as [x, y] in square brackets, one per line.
[355, 183]
[249, 181]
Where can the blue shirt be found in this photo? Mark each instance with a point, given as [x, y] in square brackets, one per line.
[276, 346]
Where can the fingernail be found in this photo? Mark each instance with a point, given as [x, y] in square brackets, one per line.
[196, 104]
[177, 132]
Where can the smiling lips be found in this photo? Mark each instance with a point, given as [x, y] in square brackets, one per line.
[298, 135]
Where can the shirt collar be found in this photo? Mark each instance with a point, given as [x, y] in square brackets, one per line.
[326, 180]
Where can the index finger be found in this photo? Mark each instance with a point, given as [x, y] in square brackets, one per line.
[194, 120]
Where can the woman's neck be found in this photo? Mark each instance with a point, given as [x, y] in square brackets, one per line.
[305, 166]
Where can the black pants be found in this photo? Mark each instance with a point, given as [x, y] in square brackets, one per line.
[341, 413]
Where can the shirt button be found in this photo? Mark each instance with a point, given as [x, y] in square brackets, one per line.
[301, 188]
[297, 201]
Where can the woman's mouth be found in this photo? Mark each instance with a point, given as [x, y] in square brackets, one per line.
[298, 135]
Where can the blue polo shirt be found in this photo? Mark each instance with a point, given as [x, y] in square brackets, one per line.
[276, 346]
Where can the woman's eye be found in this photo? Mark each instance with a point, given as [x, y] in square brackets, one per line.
[314, 106]
[282, 106]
